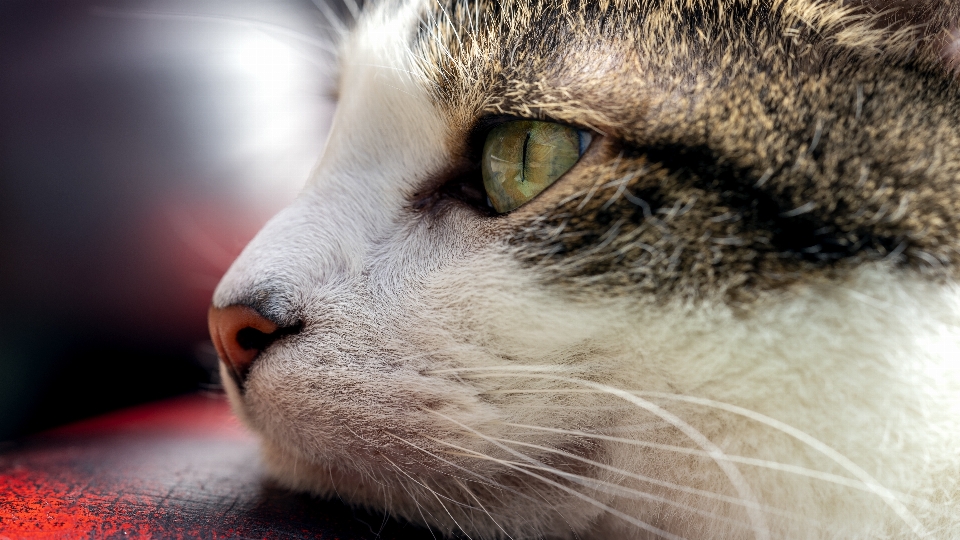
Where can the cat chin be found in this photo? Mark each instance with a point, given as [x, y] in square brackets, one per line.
[421, 501]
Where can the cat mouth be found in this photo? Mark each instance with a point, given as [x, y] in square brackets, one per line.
[369, 459]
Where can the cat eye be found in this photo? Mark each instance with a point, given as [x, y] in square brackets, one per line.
[524, 157]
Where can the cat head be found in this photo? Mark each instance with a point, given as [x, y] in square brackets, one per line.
[621, 269]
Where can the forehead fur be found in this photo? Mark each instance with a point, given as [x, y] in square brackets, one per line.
[599, 62]
[749, 144]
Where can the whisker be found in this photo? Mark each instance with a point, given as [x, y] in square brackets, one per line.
[661, 483]
[476, 500]
[613, 488]
[485, 481]
[539, 368]
[872, 483]
[613, 511]
[728, 467]
[435, 494]
[420, 509]
[756, 462]
[618, 490]
[868, 481]
[542, 391]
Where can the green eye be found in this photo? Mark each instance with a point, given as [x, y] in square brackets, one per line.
[522, 158]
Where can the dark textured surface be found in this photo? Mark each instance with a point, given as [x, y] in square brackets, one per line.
[182, 468]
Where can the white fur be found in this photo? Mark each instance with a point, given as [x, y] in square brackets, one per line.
[423, 340]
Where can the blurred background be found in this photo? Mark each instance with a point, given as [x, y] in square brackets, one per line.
[142, 144]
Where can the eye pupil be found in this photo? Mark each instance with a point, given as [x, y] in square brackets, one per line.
[524, 157]
[523, 169]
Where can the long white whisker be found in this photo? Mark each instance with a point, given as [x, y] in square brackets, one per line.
[658, 482]
[485, 480]
[432, 492]
[539, 368]
[783, 467]
[616, 489]
[449, 499]
[869, 483]
[420, 509]
[761, 530]
[452, 25]
[613, 511]
[469, 492]
[872, 483]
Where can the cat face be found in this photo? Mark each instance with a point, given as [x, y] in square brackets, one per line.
[719, 301]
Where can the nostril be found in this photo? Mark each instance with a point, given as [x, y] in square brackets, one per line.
[250, 338]
[240, 334]
[253, 339]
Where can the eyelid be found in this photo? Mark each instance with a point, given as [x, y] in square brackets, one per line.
[486, 124]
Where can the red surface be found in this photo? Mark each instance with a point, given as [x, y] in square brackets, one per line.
[182, 468]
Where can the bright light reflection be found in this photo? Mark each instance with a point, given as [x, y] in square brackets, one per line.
[280, 109]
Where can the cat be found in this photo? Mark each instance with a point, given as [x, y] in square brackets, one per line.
[621, 269]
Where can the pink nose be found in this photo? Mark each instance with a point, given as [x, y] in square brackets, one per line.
[240, 334]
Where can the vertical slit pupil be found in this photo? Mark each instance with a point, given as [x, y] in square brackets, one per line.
[523, 168]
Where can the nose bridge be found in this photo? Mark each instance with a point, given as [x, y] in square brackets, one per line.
[314, 240]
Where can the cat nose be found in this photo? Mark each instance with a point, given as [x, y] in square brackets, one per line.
[240, 334]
